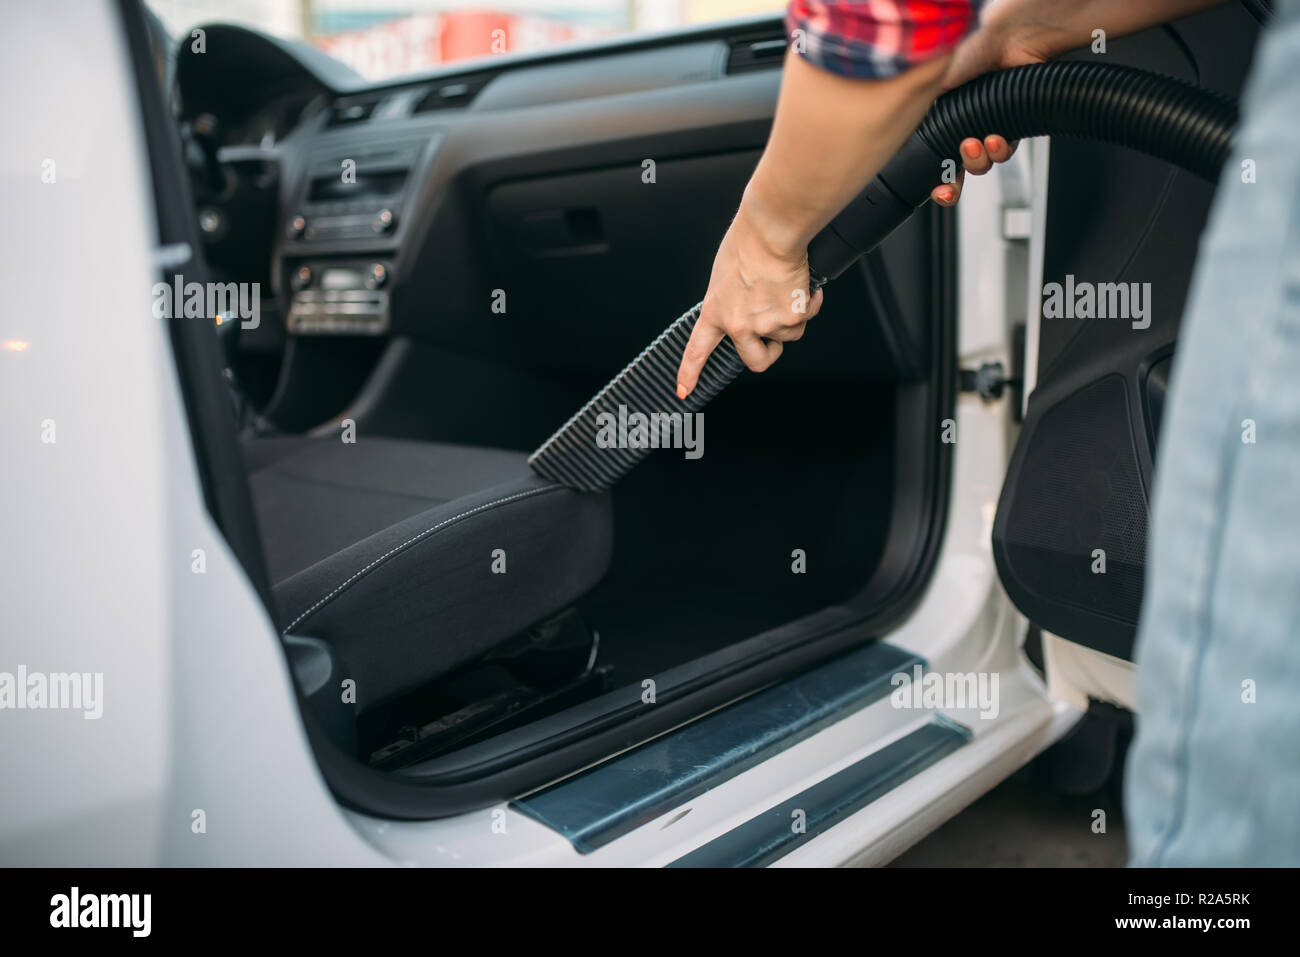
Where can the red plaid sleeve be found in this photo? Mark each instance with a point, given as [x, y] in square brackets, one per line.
[873, 39]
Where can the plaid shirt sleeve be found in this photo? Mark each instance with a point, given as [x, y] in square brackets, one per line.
[875, 39]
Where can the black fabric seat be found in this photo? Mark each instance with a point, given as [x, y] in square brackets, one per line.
[385, 548]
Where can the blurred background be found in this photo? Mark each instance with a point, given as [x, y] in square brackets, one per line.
[386, 38]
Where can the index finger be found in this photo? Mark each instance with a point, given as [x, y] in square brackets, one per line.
[704, 339]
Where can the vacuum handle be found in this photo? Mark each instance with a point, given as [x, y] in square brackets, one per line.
[887, 202]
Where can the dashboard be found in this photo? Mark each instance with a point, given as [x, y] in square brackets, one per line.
[380, 217]
[323, 186]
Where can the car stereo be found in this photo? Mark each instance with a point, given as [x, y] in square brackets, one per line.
[356, 191]
[339, 297]
[341, 233]
[354, 195]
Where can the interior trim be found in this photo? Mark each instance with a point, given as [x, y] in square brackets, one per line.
[611, 799]
[769, 836]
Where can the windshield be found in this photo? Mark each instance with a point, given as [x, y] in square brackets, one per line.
[386, 38]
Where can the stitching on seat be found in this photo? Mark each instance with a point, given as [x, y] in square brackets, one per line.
[411, 541]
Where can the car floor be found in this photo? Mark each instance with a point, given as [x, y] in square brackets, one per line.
[705, 550]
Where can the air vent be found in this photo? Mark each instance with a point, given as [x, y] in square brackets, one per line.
[453, 93]
[345, 112]
[757, 51]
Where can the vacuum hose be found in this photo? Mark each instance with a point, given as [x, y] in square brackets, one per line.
[1184, 125]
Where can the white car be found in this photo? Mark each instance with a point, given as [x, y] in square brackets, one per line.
[280, 585]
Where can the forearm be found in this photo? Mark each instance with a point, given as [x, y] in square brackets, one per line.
[830, 135]
[1051, 27]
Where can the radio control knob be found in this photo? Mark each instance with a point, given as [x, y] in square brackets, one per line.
[385, 220]
[301, 278]
[297, 226]
[376, 276]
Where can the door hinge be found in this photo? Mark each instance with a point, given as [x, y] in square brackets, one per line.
[989, 380]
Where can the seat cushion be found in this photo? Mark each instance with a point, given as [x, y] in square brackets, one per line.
[388, 550]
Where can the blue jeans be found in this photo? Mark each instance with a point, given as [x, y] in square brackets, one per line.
[1214, 772]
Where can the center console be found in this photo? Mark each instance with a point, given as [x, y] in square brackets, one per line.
[344, 220]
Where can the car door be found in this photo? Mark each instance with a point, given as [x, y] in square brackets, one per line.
[1072, 523]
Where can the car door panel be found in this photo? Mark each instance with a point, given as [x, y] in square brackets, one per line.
[1072, 523]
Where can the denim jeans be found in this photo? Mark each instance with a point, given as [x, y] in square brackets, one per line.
[1214, 771]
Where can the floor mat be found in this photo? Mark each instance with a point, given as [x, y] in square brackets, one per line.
[639, 646]
[785, 513]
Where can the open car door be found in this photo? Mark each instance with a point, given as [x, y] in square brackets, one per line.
[1117, 257]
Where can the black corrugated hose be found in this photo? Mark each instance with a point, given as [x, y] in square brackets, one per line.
[1184, 125]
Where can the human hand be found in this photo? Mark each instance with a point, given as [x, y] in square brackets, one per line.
[977, 158]
[758, 295]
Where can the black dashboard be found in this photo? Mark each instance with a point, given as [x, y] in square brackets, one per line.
[348, 167]
[376, 212]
